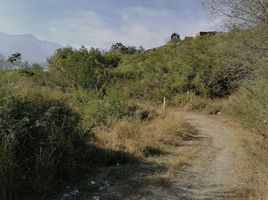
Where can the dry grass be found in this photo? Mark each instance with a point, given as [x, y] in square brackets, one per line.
[122, 136]
[211, 106]
[195, 103]
[158, 141]
[135, 137]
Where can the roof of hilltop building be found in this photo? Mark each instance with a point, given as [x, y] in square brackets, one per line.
[199, 34]
[203, 33]
[187, 38]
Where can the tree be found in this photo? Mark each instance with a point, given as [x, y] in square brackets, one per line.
[83, 68]
[120, 48]
[15, 58]
[241, 13]
[175, 36]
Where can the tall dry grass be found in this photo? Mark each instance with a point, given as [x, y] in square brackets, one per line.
[145, 139]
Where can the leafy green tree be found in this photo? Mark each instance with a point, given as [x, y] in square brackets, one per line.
[14, 58]
[120, 48]
[84, 68]
[175, 37]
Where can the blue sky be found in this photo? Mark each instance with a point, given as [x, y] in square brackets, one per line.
[100, 23]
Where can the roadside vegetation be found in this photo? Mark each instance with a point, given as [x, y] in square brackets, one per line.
[94, 109]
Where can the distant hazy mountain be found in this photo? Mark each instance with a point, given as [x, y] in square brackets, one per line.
[32, 49]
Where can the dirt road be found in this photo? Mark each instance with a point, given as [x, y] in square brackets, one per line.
[222, 162]
[224, 169]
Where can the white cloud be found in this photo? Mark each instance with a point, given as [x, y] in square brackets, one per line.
[139, 25]
[135, 26]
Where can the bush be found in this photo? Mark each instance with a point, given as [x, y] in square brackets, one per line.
[250, 106]
[98, 110]
[83, 68]
[38, 138]
[195, 103]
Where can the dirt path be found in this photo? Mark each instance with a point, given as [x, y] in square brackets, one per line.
[219, 163]
[223, 170]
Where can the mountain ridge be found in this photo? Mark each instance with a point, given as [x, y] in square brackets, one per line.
[32, 49]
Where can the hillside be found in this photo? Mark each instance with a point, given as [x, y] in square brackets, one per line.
[186, 120]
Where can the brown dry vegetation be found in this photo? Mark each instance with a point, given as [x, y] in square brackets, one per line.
[159, 146]
[146, 139]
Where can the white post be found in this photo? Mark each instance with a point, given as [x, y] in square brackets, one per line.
[164, 103]
[188, 96]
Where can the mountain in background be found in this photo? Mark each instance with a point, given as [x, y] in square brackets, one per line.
[32, 49]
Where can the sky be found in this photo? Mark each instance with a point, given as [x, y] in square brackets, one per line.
[101, 23]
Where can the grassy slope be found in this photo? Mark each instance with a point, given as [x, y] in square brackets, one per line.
[195, 74]
[221, 73]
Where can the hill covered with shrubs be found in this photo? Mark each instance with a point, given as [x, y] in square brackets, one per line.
[49, 120]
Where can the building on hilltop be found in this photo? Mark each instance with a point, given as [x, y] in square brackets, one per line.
[199, 34]
[203, 33]
[188, 38]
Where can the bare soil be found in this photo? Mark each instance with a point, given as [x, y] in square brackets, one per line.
[225, 168]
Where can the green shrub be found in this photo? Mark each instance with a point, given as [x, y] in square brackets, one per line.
[96, 110]
[83, 68]
[38, 138]
[250, 106]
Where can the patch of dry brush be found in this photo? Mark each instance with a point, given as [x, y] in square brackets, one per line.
[156, 141]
